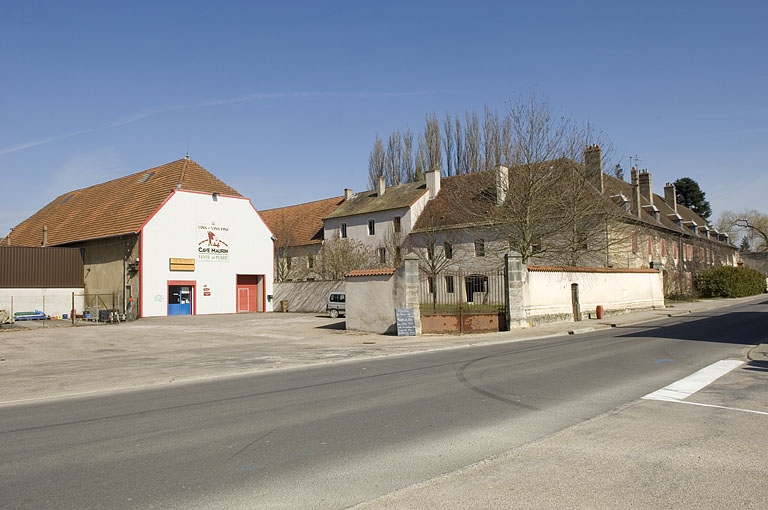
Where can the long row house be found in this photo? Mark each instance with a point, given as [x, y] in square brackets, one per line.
[468, 222]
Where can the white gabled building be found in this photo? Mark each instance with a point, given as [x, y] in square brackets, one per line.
[170, 240]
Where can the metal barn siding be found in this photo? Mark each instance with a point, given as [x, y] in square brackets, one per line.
[32, 267]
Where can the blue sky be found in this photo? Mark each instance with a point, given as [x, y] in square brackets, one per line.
[283, 100]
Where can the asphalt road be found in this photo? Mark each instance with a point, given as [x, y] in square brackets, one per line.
[339, 435]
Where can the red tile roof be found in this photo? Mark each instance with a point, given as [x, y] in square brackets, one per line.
[384, 271]
[299, 225]
[115, 207]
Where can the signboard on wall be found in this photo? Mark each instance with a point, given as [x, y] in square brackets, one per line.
[213, 243]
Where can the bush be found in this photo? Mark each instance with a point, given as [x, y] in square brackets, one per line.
[730, 282]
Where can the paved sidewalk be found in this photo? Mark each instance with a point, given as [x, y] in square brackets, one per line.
[54, 359]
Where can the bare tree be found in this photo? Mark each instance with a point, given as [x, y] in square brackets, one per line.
[449, 145]
[340, 256]
[432, 140]
[376, 163]
[408, 172]
[751, 225]
[491, 139]
[460, 164]
[545, 207]
[472, 144]
[422, 159]
[393, 159]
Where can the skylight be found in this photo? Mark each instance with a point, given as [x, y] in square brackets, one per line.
[147, 176]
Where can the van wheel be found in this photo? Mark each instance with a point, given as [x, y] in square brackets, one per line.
[334, 313]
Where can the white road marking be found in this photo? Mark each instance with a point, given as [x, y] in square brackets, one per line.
[723, 407]
[684, 388]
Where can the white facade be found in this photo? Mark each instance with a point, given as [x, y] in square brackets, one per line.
[550, 293]
[357, 226]
[206, 253]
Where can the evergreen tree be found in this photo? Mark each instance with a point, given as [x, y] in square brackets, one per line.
[691, 196]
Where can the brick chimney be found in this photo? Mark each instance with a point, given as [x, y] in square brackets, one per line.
[635, 206]
[382, 186]
[347, 193]
[45, 236]
[502, 184]
[646, 189]
[593, 164]
[670, 196]
[433, 183]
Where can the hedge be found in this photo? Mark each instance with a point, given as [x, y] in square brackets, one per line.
[730, 282]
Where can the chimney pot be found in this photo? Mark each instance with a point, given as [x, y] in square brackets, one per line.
[646, 188]
[382, 186]
[502, 184]
[593, 166]
[670, 196]
[433, 183]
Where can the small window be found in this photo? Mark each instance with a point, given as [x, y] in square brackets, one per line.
[430, 251]
[371, 227]
[448, 250]
[398, 256]
[479, 248]
[310, 261]
[449, 284]
[430, 285]
[383, 255]
[343, 231]
[396, 223]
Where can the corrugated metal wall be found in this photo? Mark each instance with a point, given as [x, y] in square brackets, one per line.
[29, 267]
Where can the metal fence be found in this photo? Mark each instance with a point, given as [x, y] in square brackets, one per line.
[462, 291]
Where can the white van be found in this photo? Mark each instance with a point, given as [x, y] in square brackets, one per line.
[337, 304]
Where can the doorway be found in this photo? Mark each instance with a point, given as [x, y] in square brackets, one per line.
[180, 299]
[250, 293]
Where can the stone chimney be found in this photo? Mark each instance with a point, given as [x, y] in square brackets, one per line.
[502, 184]
[646, 189]
[670, 196]
[45, 236]
[593, 164]
[433, 183]
[635, 206]
[347, 193]
[382, 186]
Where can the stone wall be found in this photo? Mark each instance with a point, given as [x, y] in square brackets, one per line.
[307, 297]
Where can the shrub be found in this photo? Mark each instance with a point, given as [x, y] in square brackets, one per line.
[730, 282]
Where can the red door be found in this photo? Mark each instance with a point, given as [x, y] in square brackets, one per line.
[243, 299]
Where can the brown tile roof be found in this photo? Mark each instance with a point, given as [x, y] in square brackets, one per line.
[394, 197]
[385, 271]
[469, 201]
[115, 207]
[299, 225]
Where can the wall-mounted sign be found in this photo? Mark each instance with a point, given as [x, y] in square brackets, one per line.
[181, 264]
[206, 290]
[213, 243]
